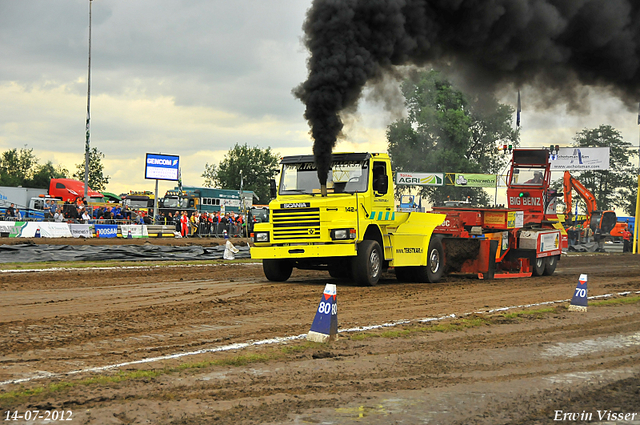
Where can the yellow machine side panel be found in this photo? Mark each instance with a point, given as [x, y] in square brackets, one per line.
[411, 240]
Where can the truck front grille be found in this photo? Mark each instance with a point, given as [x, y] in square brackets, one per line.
[296, 224]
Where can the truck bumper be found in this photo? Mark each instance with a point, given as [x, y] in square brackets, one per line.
[303, 251]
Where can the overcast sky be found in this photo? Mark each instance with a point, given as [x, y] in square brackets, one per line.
[190, 78]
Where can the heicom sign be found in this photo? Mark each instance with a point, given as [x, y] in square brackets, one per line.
[161, 167]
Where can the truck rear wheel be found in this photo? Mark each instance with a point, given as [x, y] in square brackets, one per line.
[550, 264]
[277, 270]
[340, 269]
[538, 266]
[434, 269]
[404, 274]
[367, 266]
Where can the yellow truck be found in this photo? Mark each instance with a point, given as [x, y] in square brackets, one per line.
[350, 227]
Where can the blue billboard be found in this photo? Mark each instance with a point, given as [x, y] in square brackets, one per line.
[161, 167]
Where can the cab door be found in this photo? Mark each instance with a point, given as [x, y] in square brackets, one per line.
[380, 206]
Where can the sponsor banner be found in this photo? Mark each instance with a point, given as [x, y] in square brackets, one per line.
[7, 227]
[420, 179]
[580, 159]
[80, 231]
[106, 230]
[549, 241]
[18, 227]
[137, 231]
[47, 229]
[476, 180]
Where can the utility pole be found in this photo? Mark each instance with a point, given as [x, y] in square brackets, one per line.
[88, 138]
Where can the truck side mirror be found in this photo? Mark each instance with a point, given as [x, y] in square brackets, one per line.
[272, 188]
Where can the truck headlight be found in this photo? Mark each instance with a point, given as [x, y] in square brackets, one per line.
[261, 236]
[343, 234]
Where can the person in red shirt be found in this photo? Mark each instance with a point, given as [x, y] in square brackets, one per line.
[626, 240]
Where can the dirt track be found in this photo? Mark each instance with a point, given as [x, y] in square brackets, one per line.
[483, 368]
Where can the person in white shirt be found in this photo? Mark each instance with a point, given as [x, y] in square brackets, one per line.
[85, 216]
[58, 216]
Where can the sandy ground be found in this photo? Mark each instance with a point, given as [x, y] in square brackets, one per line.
[480, 367]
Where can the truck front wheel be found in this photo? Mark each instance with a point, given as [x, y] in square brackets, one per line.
[367, 266]
[277, 270]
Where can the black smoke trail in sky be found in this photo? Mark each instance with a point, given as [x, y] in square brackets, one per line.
[557, 46]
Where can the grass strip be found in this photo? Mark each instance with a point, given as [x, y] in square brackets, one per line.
[615, 301]
[11, 398]
[456, 325]
[537, 312]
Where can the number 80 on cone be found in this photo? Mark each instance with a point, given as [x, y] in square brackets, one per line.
[328, 308]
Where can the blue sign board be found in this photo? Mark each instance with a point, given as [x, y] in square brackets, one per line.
[161, 167]
[106, 230]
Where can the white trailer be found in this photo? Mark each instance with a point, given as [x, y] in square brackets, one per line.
[25, 198]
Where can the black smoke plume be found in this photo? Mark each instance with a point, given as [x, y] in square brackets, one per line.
[557, 46]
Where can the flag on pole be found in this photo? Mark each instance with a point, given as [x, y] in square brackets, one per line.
[520, 110]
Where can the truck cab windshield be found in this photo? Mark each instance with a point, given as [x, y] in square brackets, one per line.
[343, 177]
[527, 176]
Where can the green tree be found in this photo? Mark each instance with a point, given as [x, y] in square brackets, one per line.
[97, 180]
[17, 166]
[257, 165]
[447, 131]
[617, 186]
[21, 168]
[209, 175]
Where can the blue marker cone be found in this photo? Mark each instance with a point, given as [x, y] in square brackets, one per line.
[37, 235]
[325, 325]
[129, 236]
[579, 300]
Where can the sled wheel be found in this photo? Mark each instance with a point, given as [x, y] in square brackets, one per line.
[550, 265]
[538, 266]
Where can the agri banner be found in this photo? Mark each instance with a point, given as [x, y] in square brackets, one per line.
[136, 231]
[47, 229]
[475, 180]
[420, 179]
[106, 230]
[80, 231]
[580, 159]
